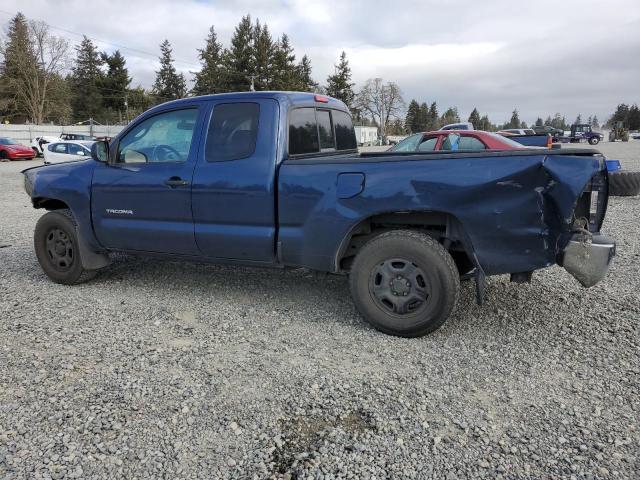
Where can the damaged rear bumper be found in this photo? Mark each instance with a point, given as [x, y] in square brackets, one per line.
[587, 257]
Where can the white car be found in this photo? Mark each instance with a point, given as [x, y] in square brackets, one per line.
[39, 143]
[518, 131]
[61, 151]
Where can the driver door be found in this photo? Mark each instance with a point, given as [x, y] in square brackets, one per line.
[141, 200]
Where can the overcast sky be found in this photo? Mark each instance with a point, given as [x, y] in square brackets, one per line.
[539, 56]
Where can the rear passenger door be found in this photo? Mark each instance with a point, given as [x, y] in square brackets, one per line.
[233, 192]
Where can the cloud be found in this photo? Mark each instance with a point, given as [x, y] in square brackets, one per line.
[497, 55]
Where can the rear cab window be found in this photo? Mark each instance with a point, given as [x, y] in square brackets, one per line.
[320, 130]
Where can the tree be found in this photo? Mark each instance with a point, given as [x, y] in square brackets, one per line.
[620, 115]
[383, 101]
[474, 117]
[450, 116]
[412, 117]
[339, 84]
[423, 120]
[304, 80]
[263, 57]
[284, 67]
[210, 78]
[578, 119]
[31, 73]
[540, 122]
[240, 57]
[434, 120]
[169, 84]
[594, 122]
[114, 86]
[633, 119]
[85, 81]
[514, 122]
[548, 121]
[485, 124]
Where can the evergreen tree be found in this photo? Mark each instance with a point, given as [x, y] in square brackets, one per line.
[450, 116]
[210, 78]
[548, 121]
[590, 120]
[169, 84]
[263, 57]
[284, 66]
[434, 122]
[16, 49]
[410, 120]
[305, 82]
[578, 119]
[540, 122]
[633, 119]
[240, 57]
[114, 85]
[514, 122]
[86, 80]
[474, 117]
[594, 122]
[485, 124]
[339, 84]
[423, 121]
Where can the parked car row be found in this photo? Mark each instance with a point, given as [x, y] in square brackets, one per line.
[37, 144]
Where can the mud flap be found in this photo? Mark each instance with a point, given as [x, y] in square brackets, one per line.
[90, 260]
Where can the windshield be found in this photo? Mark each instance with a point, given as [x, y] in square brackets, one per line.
[409, 144]
[7, 141]
[505, 140]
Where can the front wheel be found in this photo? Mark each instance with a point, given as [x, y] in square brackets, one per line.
[404, 283]
[56, 245]
[594, 140]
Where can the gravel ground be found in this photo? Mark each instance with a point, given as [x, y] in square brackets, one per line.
[158, 369]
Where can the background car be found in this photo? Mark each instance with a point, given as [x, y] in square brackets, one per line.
[38, 143]
[12, 150]
[470, 140]
[459, 126]
[77, 137]
[59, 152]
[517, 131]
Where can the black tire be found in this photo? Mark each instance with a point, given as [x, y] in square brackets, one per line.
[3, 156]
[594, 140]
[624, 184]
[36, 154]
[431, 285]
[56, 245]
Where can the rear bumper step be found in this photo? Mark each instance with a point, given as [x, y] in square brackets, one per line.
[588, 257]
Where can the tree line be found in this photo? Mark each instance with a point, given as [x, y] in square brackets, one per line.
[43, 79]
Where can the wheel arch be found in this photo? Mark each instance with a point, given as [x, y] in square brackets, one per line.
[443, 226]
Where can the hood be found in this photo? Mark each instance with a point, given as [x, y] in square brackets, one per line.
[45, 177]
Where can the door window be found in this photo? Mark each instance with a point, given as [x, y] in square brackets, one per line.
[409, 144]
[58, 148]
[165, 137]
[428, 144]
[76, 149]
[470, 143]
[233, 131]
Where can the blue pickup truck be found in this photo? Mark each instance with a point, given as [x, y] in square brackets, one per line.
[275, 179]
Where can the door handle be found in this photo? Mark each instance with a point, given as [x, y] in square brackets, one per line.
[176, 182]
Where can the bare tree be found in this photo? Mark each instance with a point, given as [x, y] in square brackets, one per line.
[36, 80]
[383, 101]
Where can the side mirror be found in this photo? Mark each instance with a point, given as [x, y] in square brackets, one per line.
[100, 151]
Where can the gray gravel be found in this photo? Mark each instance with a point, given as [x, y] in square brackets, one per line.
[158, 369]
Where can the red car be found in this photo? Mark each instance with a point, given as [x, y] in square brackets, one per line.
[11, 150]
[454, 140]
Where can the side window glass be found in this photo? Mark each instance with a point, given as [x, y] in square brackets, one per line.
[303, 131]
[345, 133]
[428, 145]
[233, 132]
[75, 150]
[60, 148]
[165, 137]
[409, 144]
[470, 143]
[325, 129]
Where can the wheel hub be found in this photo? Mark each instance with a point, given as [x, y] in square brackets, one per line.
[400, 286]
[59, 248]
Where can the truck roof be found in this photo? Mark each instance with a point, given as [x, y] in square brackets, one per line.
[290, 98]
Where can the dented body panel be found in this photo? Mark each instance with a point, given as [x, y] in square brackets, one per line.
[516, 208]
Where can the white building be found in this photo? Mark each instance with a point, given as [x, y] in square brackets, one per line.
[366, 135]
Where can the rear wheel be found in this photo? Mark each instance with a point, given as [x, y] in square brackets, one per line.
[404, 283]
[594, 140]
[3, 156]
[56, 245]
